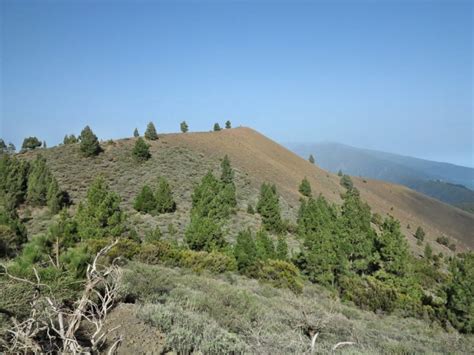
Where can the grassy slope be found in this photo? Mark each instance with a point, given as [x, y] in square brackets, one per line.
[185, 158]
[219, 314]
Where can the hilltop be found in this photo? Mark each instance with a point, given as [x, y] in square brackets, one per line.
[184, 158]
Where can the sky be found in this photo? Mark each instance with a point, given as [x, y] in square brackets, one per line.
[390, 75]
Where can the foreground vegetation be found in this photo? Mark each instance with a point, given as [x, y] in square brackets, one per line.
[357, 256]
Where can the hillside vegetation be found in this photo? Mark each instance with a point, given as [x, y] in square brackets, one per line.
[221, 242]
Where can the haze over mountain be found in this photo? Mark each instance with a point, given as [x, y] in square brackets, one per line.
[449, 183]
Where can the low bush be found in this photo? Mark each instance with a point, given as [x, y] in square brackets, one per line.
[164, 252]
[282, 274]
[369, 293]
[214, 262]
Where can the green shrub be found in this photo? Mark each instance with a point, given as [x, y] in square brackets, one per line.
[443, 240]
[369, 293]
[420, 234]
[125, 248]
[346, 182]
[160, 252]
[164, 197]
[141, 150]
[305, 188]
[213, 262]
[145, 201]
[152, 236]
[188, 332]
[281, 274]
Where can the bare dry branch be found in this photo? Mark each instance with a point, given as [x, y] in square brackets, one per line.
[53, 327]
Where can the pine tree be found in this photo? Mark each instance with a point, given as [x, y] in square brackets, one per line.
[346, 181]
[428, 252]
[245, 253]
[135, 133]
[145, 201]
[89, 143]
[44, 145]
[30, 143]
[150, 132]
[264, 246]
[100, 214]
[420, 234]
[268, 207]
[393, 248]
[70, 139]
[204, 233]
[227, 175]
[184, 127]
[356, 233]
[212, 199]
[141, 150]
[339, 173]
[13, 179]
[39, 179]
[12, 233]
[282, 249]
[62, 235]
[460, 293]
[228, 125]
[3, 146]
[56, 198]
[311, 159]
[164, 197]
[321, 257]
[305, 188]
[217, 127]
[11, 148]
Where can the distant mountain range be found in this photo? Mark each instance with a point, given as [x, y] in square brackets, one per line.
[449, 183]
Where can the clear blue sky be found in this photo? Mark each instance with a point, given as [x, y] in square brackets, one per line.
[389, 75]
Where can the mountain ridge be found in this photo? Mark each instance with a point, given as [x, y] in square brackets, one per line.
[444, 181]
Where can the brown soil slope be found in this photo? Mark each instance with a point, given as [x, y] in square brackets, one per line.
[184, 158]
[265, 160]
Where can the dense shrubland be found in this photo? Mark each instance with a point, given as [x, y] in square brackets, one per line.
[362, 257]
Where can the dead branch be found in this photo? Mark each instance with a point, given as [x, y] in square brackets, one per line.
[53, 327]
